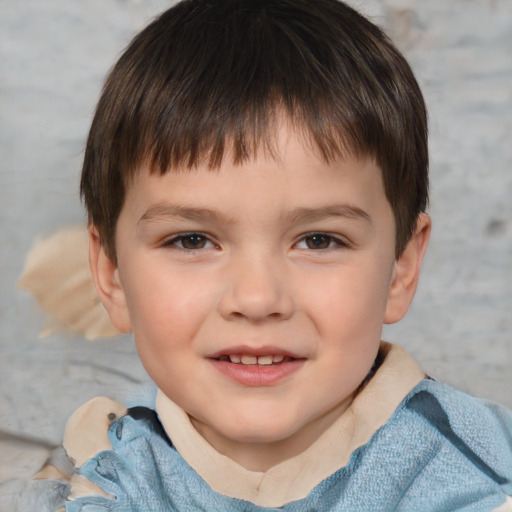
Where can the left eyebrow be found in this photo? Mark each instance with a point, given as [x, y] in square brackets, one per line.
[347, 211]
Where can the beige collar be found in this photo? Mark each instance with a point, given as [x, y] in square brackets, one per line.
[294, 478]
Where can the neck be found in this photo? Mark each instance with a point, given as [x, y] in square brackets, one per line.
[261, 456]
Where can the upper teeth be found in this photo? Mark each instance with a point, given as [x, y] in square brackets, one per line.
[248, 359]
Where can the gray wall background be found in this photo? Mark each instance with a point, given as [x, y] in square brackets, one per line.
[54, 55]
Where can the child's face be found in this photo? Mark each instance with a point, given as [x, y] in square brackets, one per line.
[288, 262]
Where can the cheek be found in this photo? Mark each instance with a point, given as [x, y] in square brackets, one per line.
[167, 318]
[167, 308]
[357, 294]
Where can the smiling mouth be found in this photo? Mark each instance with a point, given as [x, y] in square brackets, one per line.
[246, 359]
[257, 368]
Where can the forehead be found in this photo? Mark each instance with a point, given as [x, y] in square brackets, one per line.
[291, 178]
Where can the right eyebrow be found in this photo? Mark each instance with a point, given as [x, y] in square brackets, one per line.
[163, 211]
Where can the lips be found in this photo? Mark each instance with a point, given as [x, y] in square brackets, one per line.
[264, 366]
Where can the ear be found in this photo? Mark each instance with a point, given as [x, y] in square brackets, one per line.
[108, 285]
[407, 272]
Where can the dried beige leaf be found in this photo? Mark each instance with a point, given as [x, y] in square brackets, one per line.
[57, 274]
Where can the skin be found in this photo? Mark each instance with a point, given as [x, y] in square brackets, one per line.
[288, 256]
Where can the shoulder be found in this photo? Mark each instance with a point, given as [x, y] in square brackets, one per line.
[124, 460]
[441, 450]
[112, 447]
[467, 441]
[455, 414]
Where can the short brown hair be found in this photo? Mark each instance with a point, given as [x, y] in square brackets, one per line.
[208, 75]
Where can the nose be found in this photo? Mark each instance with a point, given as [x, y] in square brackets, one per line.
[256, 287]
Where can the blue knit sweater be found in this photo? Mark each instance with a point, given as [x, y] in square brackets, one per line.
[441, 450]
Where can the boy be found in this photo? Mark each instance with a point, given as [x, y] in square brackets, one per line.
[256, 182]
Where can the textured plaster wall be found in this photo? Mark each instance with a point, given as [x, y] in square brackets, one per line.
[54, 55]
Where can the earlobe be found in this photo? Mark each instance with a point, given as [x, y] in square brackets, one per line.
[407, 271]
[106, 278]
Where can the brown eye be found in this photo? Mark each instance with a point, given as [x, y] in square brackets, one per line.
[193, 241]
[189, 242]
[318, 241]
